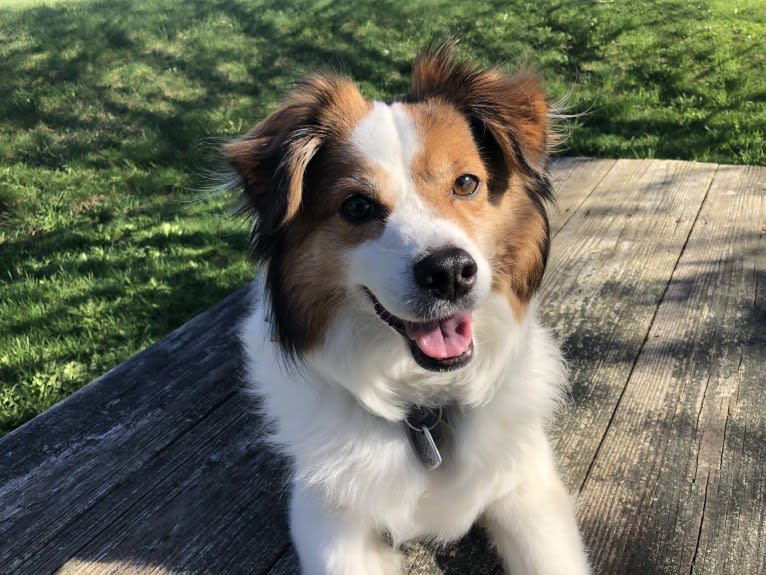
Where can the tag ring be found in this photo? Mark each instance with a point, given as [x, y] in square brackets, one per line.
[438, 419]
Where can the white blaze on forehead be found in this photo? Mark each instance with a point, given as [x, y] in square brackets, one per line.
[388, 139]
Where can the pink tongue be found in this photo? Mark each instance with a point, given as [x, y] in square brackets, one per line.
[450, 337]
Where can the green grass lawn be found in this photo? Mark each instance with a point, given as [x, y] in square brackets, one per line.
[111, 112]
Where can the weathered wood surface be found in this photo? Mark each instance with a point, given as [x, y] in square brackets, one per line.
[656, 289]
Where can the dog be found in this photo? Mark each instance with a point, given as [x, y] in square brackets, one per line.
[393, 341]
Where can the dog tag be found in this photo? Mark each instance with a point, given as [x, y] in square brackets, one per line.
[429, 434]
[425, 447]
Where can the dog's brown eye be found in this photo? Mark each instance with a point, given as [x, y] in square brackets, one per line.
[357, 209]
[465, 185]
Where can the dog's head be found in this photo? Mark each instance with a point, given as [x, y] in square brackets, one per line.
[411, 213]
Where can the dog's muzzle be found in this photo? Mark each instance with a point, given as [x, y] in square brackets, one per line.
[443, 339]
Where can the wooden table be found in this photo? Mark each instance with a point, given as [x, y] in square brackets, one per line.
[656, 289]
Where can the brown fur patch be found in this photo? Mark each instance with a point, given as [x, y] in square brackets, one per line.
[510, 108]
[312, 277]
[448, 151]
[521, 232]
[272, 158]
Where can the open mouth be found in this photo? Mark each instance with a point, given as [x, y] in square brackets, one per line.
[442, 344]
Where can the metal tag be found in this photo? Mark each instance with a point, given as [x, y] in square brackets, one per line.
[425, 447]
[429, 433]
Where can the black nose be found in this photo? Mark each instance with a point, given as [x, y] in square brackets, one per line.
[448, 274]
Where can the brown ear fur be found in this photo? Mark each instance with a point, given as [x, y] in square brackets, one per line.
[272, 158]
[510, 109]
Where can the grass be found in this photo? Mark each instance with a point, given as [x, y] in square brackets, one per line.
[110, 114]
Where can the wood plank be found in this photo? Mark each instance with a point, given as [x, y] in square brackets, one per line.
[472, 554]
[61, 464]
[677, 486]
[574, 179]
[209, 503]
[287, 564]
[609, 269]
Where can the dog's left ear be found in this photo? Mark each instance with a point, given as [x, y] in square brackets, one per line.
[509, 118]
[508, 113]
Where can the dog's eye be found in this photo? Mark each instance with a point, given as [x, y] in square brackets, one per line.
[465, 185]
[357, 209]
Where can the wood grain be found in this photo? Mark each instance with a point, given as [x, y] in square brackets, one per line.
[675, 487]
[55, 469]
[574, 179]
[610, 266]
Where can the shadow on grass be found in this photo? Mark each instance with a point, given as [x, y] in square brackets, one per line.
[104, 81]
[149, 82]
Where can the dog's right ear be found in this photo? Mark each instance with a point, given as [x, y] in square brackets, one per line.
[271, 160]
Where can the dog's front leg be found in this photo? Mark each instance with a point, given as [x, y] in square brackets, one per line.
[330, 542]
[533, 527]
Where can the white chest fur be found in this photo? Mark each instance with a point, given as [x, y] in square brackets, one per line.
[338, 415]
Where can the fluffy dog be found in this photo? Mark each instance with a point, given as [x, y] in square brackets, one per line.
[394, 342]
